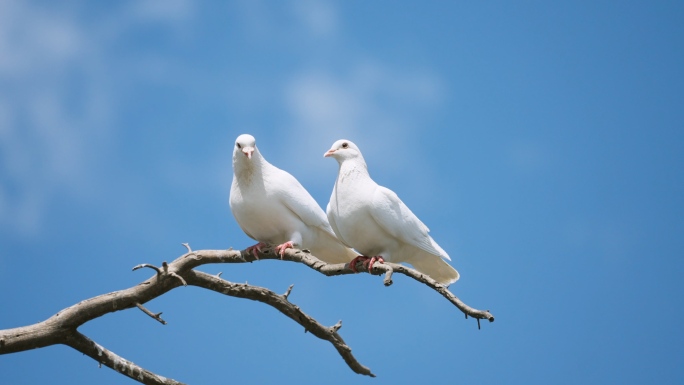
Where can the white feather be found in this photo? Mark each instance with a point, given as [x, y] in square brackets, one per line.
[272, 207]
[374, 221]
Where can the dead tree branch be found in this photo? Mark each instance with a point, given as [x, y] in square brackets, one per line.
[91, 349]
[201, 257]
[62, 327]
[280, 302]
[156, 316]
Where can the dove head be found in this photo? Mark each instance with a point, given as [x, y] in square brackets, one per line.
[343, 150]
[245, 144]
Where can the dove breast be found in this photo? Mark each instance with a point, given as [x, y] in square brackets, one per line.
[272, 207]
[373, 220]
[262, 215]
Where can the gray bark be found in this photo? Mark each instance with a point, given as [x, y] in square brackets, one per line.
[62, 327]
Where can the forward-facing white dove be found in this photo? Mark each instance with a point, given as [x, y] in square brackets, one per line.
[374, 221]
[272, 207]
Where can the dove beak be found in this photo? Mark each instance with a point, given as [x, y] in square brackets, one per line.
[248, 152]
[329, 153]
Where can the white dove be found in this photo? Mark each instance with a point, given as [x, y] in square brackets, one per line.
[374, 221]
[272, 207]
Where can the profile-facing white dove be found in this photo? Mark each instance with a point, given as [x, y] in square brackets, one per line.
[374, 221]
[272, 207]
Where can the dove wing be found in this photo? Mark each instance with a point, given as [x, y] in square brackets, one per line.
[400, 222]
[295, 197]
[234, 191]
[333, 224]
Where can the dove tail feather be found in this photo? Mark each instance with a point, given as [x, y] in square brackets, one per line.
[435, 267]
[339, 254]
[329, 249]
[441, 251]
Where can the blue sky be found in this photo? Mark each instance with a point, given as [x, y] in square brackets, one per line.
[540, 141]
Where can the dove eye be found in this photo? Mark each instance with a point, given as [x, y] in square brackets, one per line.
[345, 145]
[238, 145]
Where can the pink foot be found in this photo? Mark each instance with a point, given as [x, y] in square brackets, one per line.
[352, 263]
[254, 249]
[280, 249]
[378, 259]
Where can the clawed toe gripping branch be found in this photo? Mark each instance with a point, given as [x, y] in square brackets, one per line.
[62, 327]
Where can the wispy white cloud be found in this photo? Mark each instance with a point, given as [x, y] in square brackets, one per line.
[372, 104]
[289, 23]
[32, 38]
[57, 100]
[163, 10]
[338, 92]
[38, 145]
[319, 17]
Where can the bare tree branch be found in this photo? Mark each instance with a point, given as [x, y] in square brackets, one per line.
[202, 257]
[91, 349]
[140, 266]
[62, 327]
[156, 316]
[280, 302]
[287, 293]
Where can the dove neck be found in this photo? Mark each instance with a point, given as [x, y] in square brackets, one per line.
[245, 166]
[354, 167]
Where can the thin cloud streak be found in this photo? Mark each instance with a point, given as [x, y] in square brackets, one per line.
[377, 107]
[58, 101]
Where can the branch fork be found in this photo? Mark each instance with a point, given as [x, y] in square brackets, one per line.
[156, 316]
[287, 293]
[62, 327]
